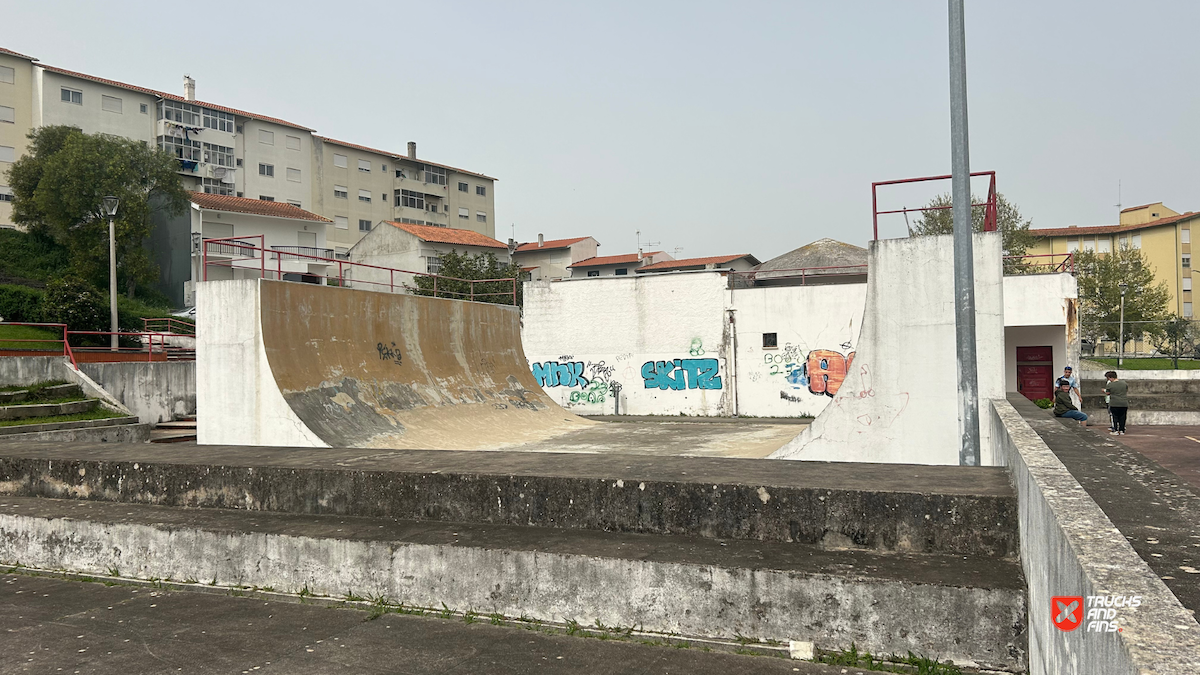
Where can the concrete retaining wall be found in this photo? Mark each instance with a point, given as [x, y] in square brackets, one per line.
[103, 433]
[1070, 548]
[20, 370]
[155, 392]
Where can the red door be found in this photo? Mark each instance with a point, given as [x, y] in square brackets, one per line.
[1035, 382]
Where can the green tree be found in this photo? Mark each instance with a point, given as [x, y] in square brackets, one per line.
[57, 191]
[1013, 227]
[1100, 276]
[1177, 339]
[460, 269]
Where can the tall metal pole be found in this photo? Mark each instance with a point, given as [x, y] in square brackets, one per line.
[1121, 331]
[112, 281]
[964, 259]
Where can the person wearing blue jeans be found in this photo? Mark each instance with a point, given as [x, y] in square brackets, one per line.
[1063, 407]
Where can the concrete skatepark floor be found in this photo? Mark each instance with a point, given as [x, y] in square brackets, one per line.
[57, 625]
[1174, 447]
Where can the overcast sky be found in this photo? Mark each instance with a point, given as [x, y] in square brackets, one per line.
[716, 127]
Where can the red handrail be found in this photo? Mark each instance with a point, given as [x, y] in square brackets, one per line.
[989, 217]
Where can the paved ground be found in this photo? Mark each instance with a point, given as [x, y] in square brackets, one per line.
[1156, 510]
[52, 625]
[1176, 448]
[685, 437]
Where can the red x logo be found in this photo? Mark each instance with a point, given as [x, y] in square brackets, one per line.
[1066, 611]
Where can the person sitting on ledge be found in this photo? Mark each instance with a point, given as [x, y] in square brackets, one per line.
[1063, 407]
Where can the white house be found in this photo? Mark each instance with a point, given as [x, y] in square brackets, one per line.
[615, 265]
[740, 262]
[392, 253]
[550, 259]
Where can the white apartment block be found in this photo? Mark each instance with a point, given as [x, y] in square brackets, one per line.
[231, 152]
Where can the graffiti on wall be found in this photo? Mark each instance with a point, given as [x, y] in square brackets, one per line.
[558, 374]
[821, 371]
[680, 374]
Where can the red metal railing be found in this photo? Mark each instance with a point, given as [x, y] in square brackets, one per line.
[989, 218]
[1042, 263]
[240, 248]
[168, 325]
[156, 346]
[65, 350]
[802, 273]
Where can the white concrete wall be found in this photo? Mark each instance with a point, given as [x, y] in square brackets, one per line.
[230, 359]
[156, 392]
[50, 109]
[1038, 299]
[899, 402]
[815, 326]
[643, 334]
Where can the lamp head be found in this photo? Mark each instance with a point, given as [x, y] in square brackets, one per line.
[110, 206]
[1123, 286]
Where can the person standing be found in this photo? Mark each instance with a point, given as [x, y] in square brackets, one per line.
[1063, 407]
[1118, 401]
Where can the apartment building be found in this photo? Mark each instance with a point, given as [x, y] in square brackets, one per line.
[1163, 235]
[231, 152]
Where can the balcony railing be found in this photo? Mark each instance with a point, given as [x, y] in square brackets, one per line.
[300, 252]
[231, 248]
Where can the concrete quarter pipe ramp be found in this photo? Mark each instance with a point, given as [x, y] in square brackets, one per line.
[281, 363]
[898, 402]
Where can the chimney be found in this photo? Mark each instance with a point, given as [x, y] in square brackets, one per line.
[541, 240]
[189, 88]
[412, 149]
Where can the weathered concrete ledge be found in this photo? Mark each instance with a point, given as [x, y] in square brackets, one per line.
[967, 609]
[27, 410]
[1070, 548]
[22, 433]
[888, 507]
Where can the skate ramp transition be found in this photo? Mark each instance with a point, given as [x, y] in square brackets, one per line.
[284, 363]
[899, 399]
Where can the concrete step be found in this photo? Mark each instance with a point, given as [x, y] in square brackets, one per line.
[177, 424]
[11, 433]
[1149, 387]
[29, 410]
[1150, 401]
[156, 437]
[879, 507]
[57, 391]
[970, 609]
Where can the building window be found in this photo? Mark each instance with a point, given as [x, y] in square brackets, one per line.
[293, 142]
[364, 166]
[1187, 310]
[430, 206]
[72, 96]
[413, 200]
[1137, 241]
[185, 150]
[295, 203]
[463, 187]
[341, 192]
[364, 196]
[411, 221]
[464, 213]
[1072, 245]
[435, 174]
[8, 75]
[214, 186]
[1089, 244]
[266, 137]
[110, 104]
[481, 190]
[364, 225]
[770, 340]
[621, 271]
[265, 198]
[481, 216]
[223, 156]
[383, 168]
[1187, 283]
[6, 194]
[1103, 244]
[266, 170]
[145, 109]
[8, 154]
[183, 113]
[341, 222]
[1185, 236]
[293, 175]
[339, 160]
[433, 264]
[8, 114]
[1187, 260]
[593, 273]
[219, 121]
[1122, 243]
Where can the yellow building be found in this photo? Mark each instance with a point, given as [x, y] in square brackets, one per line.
[1163, 235]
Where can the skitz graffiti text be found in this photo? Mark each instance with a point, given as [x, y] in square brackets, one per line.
[680, 374]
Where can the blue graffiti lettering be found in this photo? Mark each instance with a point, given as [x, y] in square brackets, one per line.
[555, 374]
[681, 374]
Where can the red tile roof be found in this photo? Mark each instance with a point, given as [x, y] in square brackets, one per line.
[255, 207]
[174, 97]
[1135, 208]
[396, 155]
[695, 262]
[1110, 229]
[612, 260]
[448, 235]
[553, 243]
[18, 55]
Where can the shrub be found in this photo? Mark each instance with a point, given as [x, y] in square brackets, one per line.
[1044, 403]
[21, 303]
[75, 302]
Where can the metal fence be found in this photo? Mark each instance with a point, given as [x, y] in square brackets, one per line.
[1173, 339]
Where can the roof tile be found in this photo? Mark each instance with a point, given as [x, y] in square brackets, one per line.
[1110, 229]
[255, 207]
[16, 54]
[448, 235]
[612, 259]
[553, 243]
[694, 262]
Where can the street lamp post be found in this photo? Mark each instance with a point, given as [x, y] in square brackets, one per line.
[110, 210]
[1121, 327]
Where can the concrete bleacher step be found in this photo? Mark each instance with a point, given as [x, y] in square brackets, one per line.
[966, 608]
[22, 411]
[177, 431]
